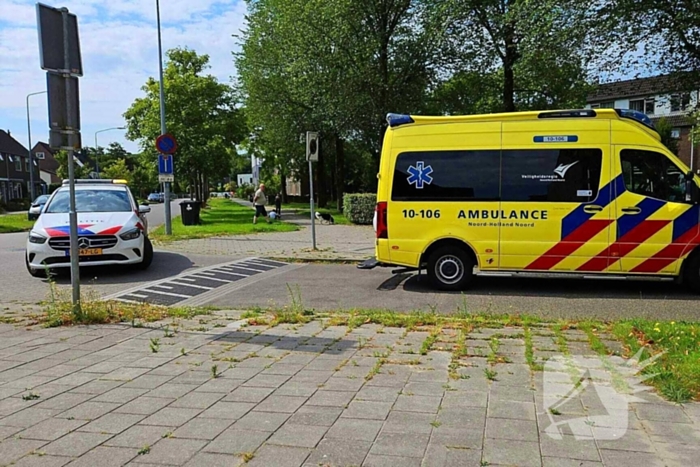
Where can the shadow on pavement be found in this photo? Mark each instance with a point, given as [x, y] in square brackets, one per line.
[165, 264]
[563, 288]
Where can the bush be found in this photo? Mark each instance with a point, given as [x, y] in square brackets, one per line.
[244, 191]
[18, 205]
[359, 207]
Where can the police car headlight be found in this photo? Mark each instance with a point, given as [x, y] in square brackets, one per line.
[131, 234]
[36, 238]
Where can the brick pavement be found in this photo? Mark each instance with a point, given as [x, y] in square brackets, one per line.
[334, 242]
[308, 395]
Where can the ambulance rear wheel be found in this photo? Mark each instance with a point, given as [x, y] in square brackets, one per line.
[450, 268]
[692, 272]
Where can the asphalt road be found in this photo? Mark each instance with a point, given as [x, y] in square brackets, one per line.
[328, 287]
[16, 285]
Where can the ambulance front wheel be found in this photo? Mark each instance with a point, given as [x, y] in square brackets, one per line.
[450, 268]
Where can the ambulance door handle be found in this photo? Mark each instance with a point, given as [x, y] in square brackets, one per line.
[632, 210]
[592, 208]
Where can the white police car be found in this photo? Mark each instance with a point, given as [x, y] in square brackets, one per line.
[112, 228]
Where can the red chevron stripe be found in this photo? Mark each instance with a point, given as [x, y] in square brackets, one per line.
[624, 246]
[569, 245]
[670, 253]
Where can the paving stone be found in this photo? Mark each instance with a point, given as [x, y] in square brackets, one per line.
[331, 398]
[197, 400]
[229, 410]
[570, 447]
[509, 409]
[312, 376]
[502, 392]
[463, 417]
[28, 417]
[378, 394]
[279, 456]
[344, 384]
[139, 436]
[89, 410]
[261, 421]
[297, 388]
[75, 444]
[661, 413]
[202, 428]
[374, 460]
[464, 399]
[119, 395]
[42, 461]
[438, 455]
[172, 390]
[562, 462]
[339, 452]
[144, 405]
[205, 459]
[266, 381]
[664, 432]
[400, 444]
[409, 422]
[219, 385]
[12, 449]
[316, 415]
[50, 429]
[632, 440]
[237, 441]
[428, 404]
[7, 431]
[631, 459]
[147, 382]
[170, 451]
[304, 436]
[509, 452]
[369, 410]
[62, 402]
[465, 437]
[518, 430]
[425, 388]
[355, 429]
[112, 423]
[104, 456]
[245, 394]
[284, 404]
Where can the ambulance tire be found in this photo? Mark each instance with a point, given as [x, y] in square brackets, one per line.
[450, 268]
[691, 272]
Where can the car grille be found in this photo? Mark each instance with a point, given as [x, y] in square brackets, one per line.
[84, 259]
[96, 241]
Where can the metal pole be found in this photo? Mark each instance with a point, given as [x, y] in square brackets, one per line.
[163, 130]
[692, 149]
[31, 157]
[97, 156]
[72, 215]
[311, 200]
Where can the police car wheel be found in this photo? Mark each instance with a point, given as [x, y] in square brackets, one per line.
[450, 269]
[692, 273]
[147, 254]
[32, 271]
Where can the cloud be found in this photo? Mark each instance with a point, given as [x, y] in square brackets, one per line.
[119, 51]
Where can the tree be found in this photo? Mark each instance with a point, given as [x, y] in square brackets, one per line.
[78, 171]
[665, 130]
[203, 117]
[117, 170]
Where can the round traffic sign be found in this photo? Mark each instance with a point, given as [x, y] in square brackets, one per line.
[166, 144]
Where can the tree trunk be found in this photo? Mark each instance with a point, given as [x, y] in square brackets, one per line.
[320, 185]
[283, 184]
[339, 172]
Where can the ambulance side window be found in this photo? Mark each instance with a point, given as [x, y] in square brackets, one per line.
[652, 174]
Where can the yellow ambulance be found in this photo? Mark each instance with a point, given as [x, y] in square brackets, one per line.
[582, 192]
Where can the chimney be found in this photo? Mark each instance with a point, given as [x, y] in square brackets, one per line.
[9, 133]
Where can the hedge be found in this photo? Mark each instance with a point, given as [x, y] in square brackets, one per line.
[359, 207]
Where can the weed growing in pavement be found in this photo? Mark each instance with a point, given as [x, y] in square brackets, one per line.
[490, 374]
[529, 351]
[430, 340]
[154, 345]
[247, 456]
[183, 352]
[214, 371]
[144, 450]
[168, 333]
[30, 397]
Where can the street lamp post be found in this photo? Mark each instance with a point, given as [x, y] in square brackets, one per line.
[97, 156]
[29, 135]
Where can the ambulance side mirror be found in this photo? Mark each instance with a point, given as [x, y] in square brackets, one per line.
[692, 193]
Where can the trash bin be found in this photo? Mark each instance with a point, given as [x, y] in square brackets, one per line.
[189, 211]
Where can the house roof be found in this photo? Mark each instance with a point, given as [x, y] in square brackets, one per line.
[9, 145]
[675, 120]
[639, 87]
[42, 147]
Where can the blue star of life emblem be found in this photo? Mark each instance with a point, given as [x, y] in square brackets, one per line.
[420, 175]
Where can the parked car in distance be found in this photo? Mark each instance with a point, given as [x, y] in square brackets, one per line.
[156, 198]
[36, 207]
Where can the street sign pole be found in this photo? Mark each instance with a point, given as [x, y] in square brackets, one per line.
[72, 215]
[313, 147]
[163, 130]
[311, 202]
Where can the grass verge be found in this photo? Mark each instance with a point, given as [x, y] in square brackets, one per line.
[11, 223]
[221, 217]
[302, 209]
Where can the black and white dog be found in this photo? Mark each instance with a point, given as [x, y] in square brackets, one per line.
[325, 217]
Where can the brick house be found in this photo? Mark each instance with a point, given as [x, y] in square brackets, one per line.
[14, 169]
[48, 165]
[657, 96]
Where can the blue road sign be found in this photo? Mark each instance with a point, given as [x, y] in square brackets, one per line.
[165, 164]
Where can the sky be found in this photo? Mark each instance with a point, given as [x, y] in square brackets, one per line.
[119, 47]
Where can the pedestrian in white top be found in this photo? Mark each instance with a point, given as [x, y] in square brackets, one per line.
[259, 201]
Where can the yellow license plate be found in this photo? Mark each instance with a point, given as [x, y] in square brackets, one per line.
[90, 252]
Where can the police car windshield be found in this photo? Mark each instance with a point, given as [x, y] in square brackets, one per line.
[91, 200]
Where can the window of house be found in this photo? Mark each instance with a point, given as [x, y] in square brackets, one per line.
[18, 163]
[680, 102]
[649, 106]
[446, 176]
[40, 155]
[652, 174]
[676, 133]
[26, 164]
[595, 106]
[607, 105]
[559, 175]
[637, 105]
